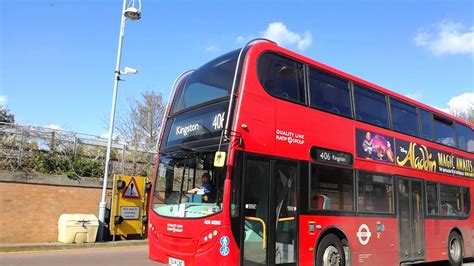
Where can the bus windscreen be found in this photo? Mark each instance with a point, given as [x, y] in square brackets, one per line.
[209, 82]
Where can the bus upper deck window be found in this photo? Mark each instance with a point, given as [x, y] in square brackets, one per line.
[370, 106]
[444, 131]
[282, 77]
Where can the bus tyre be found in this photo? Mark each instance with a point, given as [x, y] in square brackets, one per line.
[455, 249]
[330, 251]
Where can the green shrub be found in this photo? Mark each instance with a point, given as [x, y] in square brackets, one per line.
[73, 167]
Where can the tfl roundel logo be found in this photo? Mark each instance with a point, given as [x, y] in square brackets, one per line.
[364, 234]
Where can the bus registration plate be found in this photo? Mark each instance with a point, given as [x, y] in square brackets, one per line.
[175, 262]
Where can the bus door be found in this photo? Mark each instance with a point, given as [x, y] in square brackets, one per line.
[411, 219]
[269, 234]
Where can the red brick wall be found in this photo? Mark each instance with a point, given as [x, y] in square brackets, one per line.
[30, 212]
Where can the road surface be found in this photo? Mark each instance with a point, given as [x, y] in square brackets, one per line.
[115, 256]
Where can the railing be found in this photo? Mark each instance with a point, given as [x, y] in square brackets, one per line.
[40, 149]
[264, 228]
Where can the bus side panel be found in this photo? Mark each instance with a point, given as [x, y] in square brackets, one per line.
[437, 234]
[256, 120]
[436, 238]
[364, 234]
[296, 134]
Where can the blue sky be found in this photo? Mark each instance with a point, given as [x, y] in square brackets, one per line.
[58, 56]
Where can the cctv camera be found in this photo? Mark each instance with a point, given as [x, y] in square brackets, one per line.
[129, 70]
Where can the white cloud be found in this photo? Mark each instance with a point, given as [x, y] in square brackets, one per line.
[462, 103]
[279, 32]
[415, 95]
[53, 127]
[459, 104]
[115, 136]
[447, 38]
[3, 100]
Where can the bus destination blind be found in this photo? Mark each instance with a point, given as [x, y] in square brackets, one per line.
[331, 156]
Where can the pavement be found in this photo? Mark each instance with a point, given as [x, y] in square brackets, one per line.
[25, 247]
[92, 256]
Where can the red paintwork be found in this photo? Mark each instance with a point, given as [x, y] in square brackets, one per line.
[263, 115]
[380, 250]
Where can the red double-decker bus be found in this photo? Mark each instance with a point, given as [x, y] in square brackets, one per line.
[269, 157]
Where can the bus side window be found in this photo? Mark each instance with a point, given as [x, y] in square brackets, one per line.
[404, 117]
[426, 126]
[450, 197]
[432, 198]
[370, 106]
[282, 77]
[444, 131]
[466, 200]
[465, 137]
[321, 202]
[331, 188]
[329, 93]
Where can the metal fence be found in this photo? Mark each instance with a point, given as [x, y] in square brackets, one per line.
[40, 149]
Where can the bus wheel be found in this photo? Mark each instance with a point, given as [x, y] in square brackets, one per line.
[455, 251]
[330, 252]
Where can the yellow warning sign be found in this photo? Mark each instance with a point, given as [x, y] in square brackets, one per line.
[128, 215]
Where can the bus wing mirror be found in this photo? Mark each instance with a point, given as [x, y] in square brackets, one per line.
[219, 159]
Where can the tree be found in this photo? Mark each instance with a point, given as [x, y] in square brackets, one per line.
[466, 113]
[141, 122]
[6, 116]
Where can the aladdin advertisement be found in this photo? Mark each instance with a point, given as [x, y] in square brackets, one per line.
[374, 146]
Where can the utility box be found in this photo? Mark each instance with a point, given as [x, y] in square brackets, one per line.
[77, 228]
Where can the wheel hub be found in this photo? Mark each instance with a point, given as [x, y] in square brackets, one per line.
[455, 249]
[331, 256]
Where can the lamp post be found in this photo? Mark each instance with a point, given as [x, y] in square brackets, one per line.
[131, 13]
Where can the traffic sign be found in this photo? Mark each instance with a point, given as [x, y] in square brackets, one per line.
[131, 191]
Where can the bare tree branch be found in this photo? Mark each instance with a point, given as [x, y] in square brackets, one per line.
[465, 113]
[141, 122]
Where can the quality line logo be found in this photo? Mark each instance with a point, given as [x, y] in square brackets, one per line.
[289, 136]
[175, 228]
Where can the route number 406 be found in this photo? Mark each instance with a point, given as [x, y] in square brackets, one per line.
[218, 121]
[325, 156]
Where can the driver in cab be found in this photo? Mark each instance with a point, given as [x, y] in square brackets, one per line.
[206, 189]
